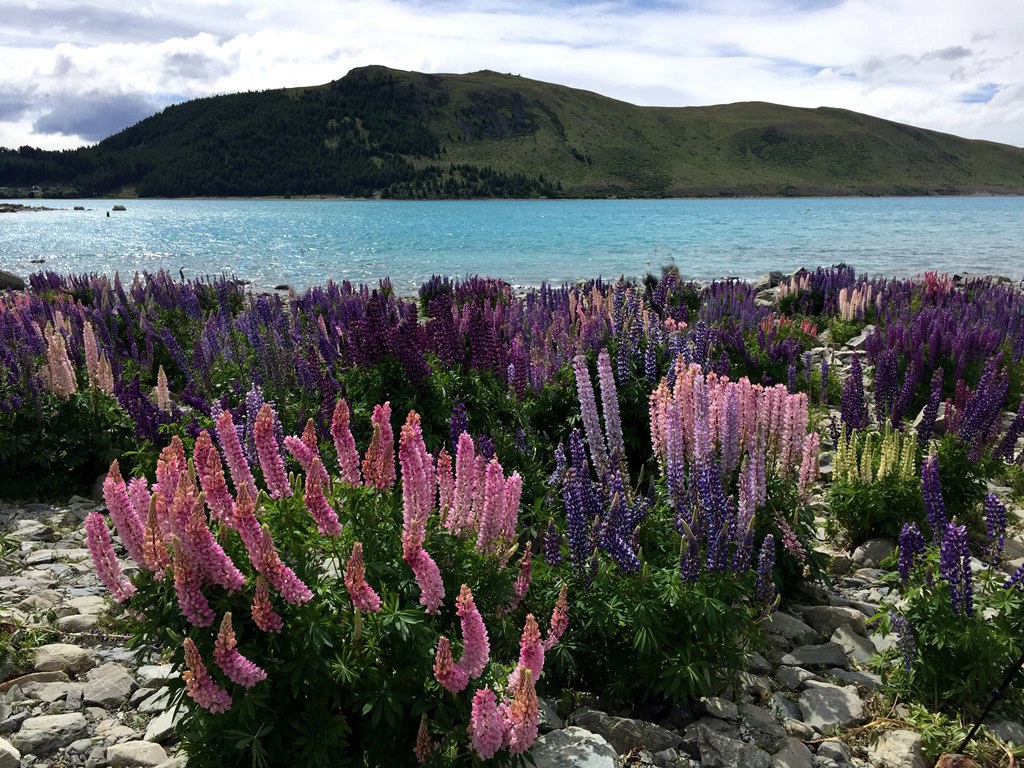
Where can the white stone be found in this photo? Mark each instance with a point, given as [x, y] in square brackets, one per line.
[573, 747]
[44, 735]
[63, 657]
[135, 754]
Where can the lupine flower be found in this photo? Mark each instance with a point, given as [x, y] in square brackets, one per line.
[428, 577]
[263, 614]
[445, 484]
[531, 652]
[610, 406]
[908, 646]
[1016, 580]
[451, 677]
[522, 584]
[162, 393]
[911, 546]
[234, 455]
[58, 373]
[559, 620]
[122, 512]
[363, 596]
[97, 538]
[955, 568]
[486, 731]
[931, 410]
[476, 648]
[854, 409]
[522, 714]
[239, 669]
[552, 544]
[270, 457]
[379, 461]
[280, 576]
[424, 747]
[588, 408]
[765, 564]
[931, 487]
[199, 685]
[187, 586]
[995, 527]
[345, 445]
[153, 547]
[211, 478]
[316, 502]
[418, 483]
[298, 449]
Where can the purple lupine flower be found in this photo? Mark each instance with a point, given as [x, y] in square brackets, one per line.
[458, 424]
[610, 407]
[886, 371]
[588, 409]
[853, 409]
[931, 410]
[908, 645]
[650, 363]
[931, 488]
[955, 568]
[791, 378]
[552, 544]
[765, 564]
[1008, 447]
[486, 446]
[995, 527]
[1015, 580]
[911, 546]
[905, 396]
[560, 465]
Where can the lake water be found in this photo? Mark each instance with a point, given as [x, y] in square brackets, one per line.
[304, 242]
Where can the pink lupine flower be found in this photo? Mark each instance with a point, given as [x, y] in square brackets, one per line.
[270, 457]
[379, 461]
[486, 728]
[169, 467]
[531, 653]
[445, 485]
[138, 492]
[243, 520]
[153, 546]
[510, 514]
[104, 375]
[428, 577]
[490, 522]
[92, 354]
[234, 455]
[657, 412]
[345, 445]
[610, 406]
[522, 714]
[263, 614]
[476, 649]
[297, 448]
[522, 584]
[122, 512]
[162, 393]
[363, 596]
[58, 373]
[215, 564]
[790, 540]
[316, 502]
[211, 477]
[451, 677]
[280, 576]
[239, 669]
[199, 685]
[424, 746]
[808, 464]
[418, 481]
[97, 538]
[181, 509]
[187, 586]
[465, 484]
[559, 620]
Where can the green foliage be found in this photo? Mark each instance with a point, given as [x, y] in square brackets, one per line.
[841, 331]
[963, 482]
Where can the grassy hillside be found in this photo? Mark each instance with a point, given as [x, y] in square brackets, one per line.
[385, 132]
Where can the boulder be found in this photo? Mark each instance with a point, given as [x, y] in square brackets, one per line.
[825, 706]
[572, 747]
[135, 754]
[1010, 731]
[108, 686]
[723, 709]
[836, 751]
[857, 647]
[762, 726]
[161, 728]
[625, 734]
[826, 619]
[44, 735]
[789, 627]
[718, 751]
[793, 755]
[63, 657]
[811, 656]
[118, 208]
[872, 552]
[897, 749]
[10, 281]
[9, 756]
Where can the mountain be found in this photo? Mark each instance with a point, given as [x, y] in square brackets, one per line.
[388, 133]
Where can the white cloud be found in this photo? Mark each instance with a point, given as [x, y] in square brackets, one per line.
[898, 59]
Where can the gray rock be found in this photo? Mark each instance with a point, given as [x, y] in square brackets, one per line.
[87, 604]
[9, 756]
[723, 709]
[44, 735]
[13, 723]
[173, 762]
[548, 719]
[754, 685]
[692, 731]
[25, 681]
[1009, 731]
[135, 754]
[824, 655]
[834, 750]
[108, 686]
[573, 747]
[826, 706]
[82, 746]
[798, 729]
[10, 281]
[78, 623]
[793, 678]
[154, 675]
[826, 619]
[161, 728]
[790, 628]
[718, 751]
[623, 733]
[160, 700]
[857, 647]
[869, 681]
[872, 552]
[63, 657]
[793, 755]
[762, 726]
[896, 749]
[787, 708]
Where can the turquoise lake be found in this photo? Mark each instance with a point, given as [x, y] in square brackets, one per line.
[304, 242]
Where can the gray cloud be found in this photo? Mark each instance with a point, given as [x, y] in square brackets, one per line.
[13, 104]
[95, 116]
[952, 53]
[94, 24]
[197, 66]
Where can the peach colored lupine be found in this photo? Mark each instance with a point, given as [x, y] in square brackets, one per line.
[211, 478]
[418, 481]
[162, 393]
[215, 564]
[271, 463]
[521, 714]
[316, 502]
[263, 614]
[280, 576]
[153, 546]
[379, 461]
[122, 512]
[559, 620]
[243, 520]
[91, 352]
[234, 455]
[345, 445]
[239, 669]
[476, 648]
[58, 373]
[451, 677]
[424, 746]
[104, 375]
[445, 485]
[169, 468]
[97, 539]
[188, 580]
[486, 728]
[428, 577]
[363, 596]
[199, 685]
[531, 652]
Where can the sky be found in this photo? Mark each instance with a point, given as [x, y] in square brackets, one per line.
[74, 73]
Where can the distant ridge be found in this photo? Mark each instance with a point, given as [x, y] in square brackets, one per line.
[380, 132]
